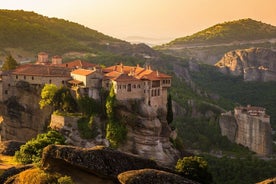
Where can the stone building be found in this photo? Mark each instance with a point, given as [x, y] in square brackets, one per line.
[88, 82]
[135, 82]
[130, 82]
[250, 127]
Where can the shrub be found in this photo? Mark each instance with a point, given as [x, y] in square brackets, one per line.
[87, 128]
[31, 152]
[194, 168]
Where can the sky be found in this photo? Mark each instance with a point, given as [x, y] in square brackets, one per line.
[149, 20]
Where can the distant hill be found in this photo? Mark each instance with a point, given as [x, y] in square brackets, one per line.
[36, 32]
[209, 45]
[239, 30]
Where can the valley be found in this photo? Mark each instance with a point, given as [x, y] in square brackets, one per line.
[200, 92]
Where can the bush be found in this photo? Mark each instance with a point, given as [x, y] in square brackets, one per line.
[87, 128]
[38, 175]
[194, 168]
[31, 152]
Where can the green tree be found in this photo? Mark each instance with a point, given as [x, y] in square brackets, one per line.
[195, 168]
[115, 130]
[31, 152]
[47, 95]
[64, 101]
[169, 109]
[9, 64]
[88, 106]
[110, 103]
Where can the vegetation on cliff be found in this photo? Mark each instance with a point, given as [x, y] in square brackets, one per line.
[239, 30]
[31, 152]
[115, 130]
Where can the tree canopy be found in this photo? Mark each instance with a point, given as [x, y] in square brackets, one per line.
[195, 168]
[9, 64]
[47, 95]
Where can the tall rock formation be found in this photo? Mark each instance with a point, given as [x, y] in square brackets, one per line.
[148, 133]
[250, 127]
[22, 118]
[254, 64]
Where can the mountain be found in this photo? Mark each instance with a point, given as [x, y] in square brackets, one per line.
[209, 45]
[254, 64]
[35, 32]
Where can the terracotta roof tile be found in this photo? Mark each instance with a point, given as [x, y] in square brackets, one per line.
[82, 72]
[77, 64]
[137, 71]
[41, 70]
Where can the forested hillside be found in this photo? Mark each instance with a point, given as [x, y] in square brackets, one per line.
[240, 30]
[35, 33]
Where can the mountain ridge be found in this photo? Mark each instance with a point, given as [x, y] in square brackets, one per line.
[239, 30]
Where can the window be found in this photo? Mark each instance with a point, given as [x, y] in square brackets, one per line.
[9, 85]
[6, 92]
[16, 76]
[50, 81]
[129, 87]
[139, 86]
[24, 77]
[32, 78]
[156, 83]
[134, 85]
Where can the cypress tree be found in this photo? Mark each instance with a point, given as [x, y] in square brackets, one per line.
[169, 109]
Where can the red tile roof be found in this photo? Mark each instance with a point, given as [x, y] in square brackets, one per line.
[83, 72]
[77, 64]
[41, 70]
[136, 71]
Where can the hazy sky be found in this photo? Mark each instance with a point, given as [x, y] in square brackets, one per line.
[160, 19]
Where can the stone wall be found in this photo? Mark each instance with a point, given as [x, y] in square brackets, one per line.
[58, 81]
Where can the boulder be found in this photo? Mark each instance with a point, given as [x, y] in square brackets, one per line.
[152, 176]
[101, 161]
[10, 147]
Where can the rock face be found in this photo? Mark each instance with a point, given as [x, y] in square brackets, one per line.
[101, 161]
[68, 127]
[152, 176]
[254, 64]
[22, 118]
[248, 129]
[148, 133]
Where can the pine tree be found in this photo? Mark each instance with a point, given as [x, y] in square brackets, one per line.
[169, 109]
[9, 63]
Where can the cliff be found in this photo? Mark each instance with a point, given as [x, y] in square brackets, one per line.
[248, 130]
[254, 64]
[22, 119]
[148, 133]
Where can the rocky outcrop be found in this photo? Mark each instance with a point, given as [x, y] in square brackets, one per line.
[228, 126]
[101, 161]
[148, 133]
[152, 176]
[252, 131]
[10, 147]
[22, 117]
[68, 127]
[254, 64]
